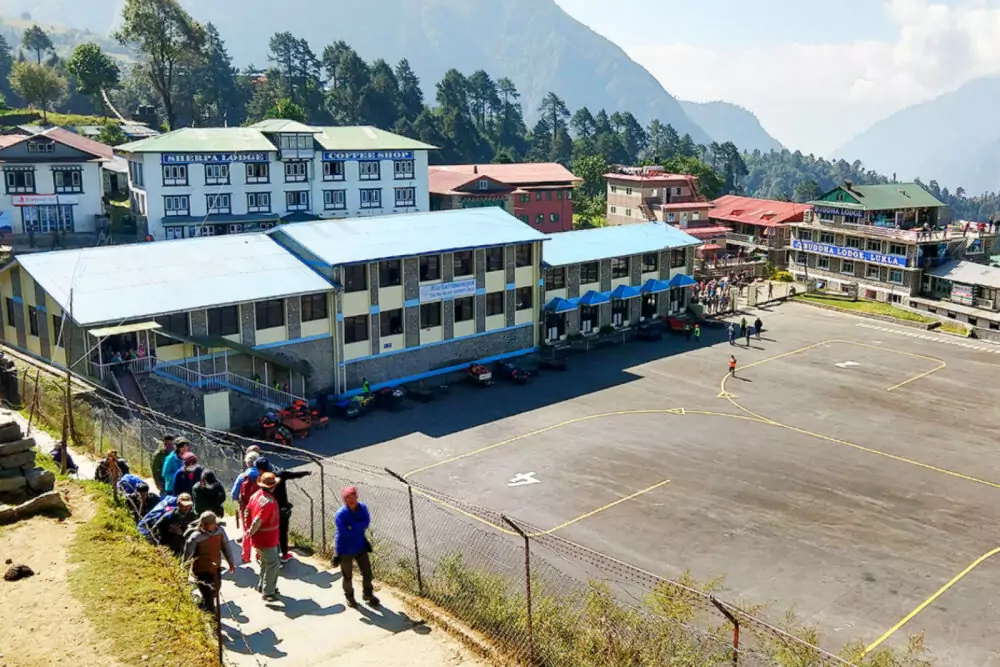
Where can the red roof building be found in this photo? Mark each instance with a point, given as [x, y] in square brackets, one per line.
[539, 194]
[759, 225]
[643, 194]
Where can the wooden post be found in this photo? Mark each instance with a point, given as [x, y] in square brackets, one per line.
[68, 426]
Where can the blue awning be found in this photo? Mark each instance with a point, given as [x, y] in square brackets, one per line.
[625, 292]
[652, 286]
[559, 305]
[593, 298]
[682, 280]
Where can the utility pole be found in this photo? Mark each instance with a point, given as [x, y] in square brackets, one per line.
[68, 424]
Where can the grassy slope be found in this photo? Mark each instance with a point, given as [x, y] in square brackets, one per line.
[863, 306]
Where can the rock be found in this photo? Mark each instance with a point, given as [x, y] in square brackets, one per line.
[40, 481]
[10, 431]
[17, 460]
[11, 484]
[16, 447]
[17, 572]
[47, 502]
[8, 514]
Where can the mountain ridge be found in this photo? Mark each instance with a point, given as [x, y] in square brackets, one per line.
[725, 121]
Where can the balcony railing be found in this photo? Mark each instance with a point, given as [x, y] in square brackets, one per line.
[227, 381]
[137, 366]
[743, 239]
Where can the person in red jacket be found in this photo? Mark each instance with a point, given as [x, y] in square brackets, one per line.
[264, 534]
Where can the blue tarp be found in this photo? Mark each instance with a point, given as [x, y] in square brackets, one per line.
[652, 286]
[593, 298]
[625, 292]
[682, 280]
[559, 305]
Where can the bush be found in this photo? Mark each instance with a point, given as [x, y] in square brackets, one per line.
[784, 277]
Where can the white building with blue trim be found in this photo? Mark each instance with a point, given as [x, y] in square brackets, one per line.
[215, 181]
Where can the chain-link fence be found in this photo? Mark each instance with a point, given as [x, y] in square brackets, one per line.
[539, 599]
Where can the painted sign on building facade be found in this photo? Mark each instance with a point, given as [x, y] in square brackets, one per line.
[847, 212]
[43, 200]
[961, 294]
[354, 156]
[213, 158]
[849, 253]
[447, 291]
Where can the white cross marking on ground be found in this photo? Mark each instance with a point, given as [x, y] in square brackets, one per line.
[847, 364]
[523, 478]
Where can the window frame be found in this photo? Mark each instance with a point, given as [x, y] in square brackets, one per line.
[72, 188]
[426, 309]
[844, 264]
[222, 315]
[386, 272]
[299, 195]
[33, 321]
[222, 168]
[332, 173]
[386, 323]
[370, 198]
[520, 261]
[258, 208]
[425, 268]
[174, 212]
[523, 298]
[823, 262]
[268, 307]
[492, 298]
[26, 176]
[219, 198]
[586, 272]
[355, 327]
[551, 281]
[902, 278]
[334, 200]
[464, 263]
[292, 168]
[369, 170]
[646, 265]
[871, 269]
[11, 312]
[405, 201]
[258, 166]
[355, 278]
[465, 309]
[314, 307]
[678, 258]
[492, 254]
[179, 178]
[619, 267]
[400, 172]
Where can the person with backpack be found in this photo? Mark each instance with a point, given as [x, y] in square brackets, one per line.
[172, 463]
[247, 489]
[166, 523]
[209, 495]
[188, 476]
[206, 548]
[111, 468]
[158, 460]
[129, 484]
[141, 501]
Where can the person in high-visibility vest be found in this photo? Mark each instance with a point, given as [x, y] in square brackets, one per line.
[732, 365]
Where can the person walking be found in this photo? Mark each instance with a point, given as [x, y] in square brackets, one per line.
[748, 336]
[188, 476]
[209, 495]
[697, 333]
[172, 463]
[263, 533]
[280, 494]
[758, 326]
[158, 459]
[366, 388]
[206, 548]
[732, 365]
[732, 333]
[687, 331]
[743, 327]
[770, 290]
[351, 546]
[247, 490]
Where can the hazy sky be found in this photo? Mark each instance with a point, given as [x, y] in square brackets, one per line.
[815, 74]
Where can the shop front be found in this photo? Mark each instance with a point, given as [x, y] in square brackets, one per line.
[46, 213]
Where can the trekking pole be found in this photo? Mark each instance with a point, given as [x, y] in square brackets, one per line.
[218, 613]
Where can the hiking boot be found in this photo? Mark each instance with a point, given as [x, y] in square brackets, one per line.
[372, 601]
[287, 556]
[351, 602]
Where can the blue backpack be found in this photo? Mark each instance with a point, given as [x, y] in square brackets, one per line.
[129, 484]
[147, 522]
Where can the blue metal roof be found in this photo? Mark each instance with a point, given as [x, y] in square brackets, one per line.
[593, 298]
[560, 305]
[352, 240]
[625, 292]
[652, 286]
[681, 280]
[590, 245]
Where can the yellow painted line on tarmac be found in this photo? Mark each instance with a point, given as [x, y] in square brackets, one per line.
[941, 591]
[601, 509]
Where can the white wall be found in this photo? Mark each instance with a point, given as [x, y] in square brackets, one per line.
[88, 204]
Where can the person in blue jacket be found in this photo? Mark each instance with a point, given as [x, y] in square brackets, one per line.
[351, 546]
[173, 463]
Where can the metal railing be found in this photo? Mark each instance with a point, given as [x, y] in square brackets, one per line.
[227, 381]
[735, 237]
[139, 365]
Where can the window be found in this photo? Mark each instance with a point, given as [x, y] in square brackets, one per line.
[258, 172]
[677, 191]
[296, 171]
[590, 272]
[32, 320]
[614, 209]
[334, 200]
[483, 184]
[175, 174]
[677, 258]
[614, 188]
[548, 195]
[135, 172]
[522, 255]
[826, 237]
[47, 218]
[539, 218]
[430, 267]
[333, 171]
[464, 263]
[224, 321]
[313, 307]
[355, 277]
[57, 334]
[355, 329]
[391, 322]
[67, 180]
[176, 324]
[805, 235]
[494, 259]
[896, 276]
[854, 242]
[872, 271]
[874, 245]
[628, 191]
[538, 195]
[628, 213]
[402, 169]
[20, 181]
[369, 170]
[41, 147]
[406, 197]
[216, 174]
[430, 315]
[9, 302]
[297, 200]
[390, 273]
[302, 142]
[553, 217]
[522, 298]
[258, 202]
[465, 309]
[555, 278]
[559, 194]
[822, 262]
[847, 267]
[218, 203]
[897, 249]
[494, 303]
[524, 198]
[523, 217]
[619, 267]
[270, 314]
[176, 205]
[650, 262]
[371, 198]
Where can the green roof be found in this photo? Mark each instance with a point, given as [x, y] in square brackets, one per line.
[283, 125]
[879, 197]
[366, 138]
[202, 140]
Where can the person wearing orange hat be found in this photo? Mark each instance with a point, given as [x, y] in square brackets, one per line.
[264, 533]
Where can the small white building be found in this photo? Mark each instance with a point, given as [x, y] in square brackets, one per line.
[227, 180]
[52, 182]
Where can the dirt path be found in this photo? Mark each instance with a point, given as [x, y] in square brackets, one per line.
[41, 624]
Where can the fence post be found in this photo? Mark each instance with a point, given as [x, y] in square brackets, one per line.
[100, 440]
[217, 592]
[34, 404]
[736, 629]
[322, 500]
[527, 584]
[413, 525]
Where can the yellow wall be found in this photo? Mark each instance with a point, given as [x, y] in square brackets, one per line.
[495, 281]
[272, 335]
[432, 335]
[6, 291]
[586, 287]
[397, 342]
[494, 322]
[554, 293]
[524, 316]
[525, 276]
[466, 328]
[174, 352]
[655, 275]
[355, 303]
[315, 328]
[390, 298]
[620, 281]
[357, 350]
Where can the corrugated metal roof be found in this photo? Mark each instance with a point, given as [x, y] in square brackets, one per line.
[886, 197]
[515, 173]
[353, 240]
[366, 138]
[590, 245]
[759, 212]
[967, 273]
[201, 140]
[115, 283]
[283, 125]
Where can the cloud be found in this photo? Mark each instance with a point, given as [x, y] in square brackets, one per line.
[817, 96]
